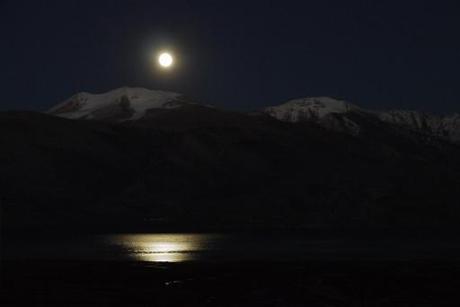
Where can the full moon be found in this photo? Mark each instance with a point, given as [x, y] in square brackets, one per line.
[165, 60]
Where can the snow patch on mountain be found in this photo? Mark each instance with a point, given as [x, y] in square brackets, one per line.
[413, 119]
[452, 125]
[328, 112]
[447, 127]
[342, 116]
[308, 109]
[123, 103]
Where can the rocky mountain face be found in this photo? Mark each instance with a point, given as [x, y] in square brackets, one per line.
[343, 116]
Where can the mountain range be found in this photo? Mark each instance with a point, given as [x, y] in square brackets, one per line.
[139, 159]
[338, 115]
[125, 104]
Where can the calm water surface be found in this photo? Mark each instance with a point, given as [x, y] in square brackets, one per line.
[217, 247]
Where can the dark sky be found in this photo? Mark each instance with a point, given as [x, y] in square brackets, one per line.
[239, 55]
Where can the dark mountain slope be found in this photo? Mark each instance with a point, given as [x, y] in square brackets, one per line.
[198, 167]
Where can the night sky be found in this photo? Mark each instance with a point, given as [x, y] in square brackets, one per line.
[237, 55]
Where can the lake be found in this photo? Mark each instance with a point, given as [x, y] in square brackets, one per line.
[182, 247]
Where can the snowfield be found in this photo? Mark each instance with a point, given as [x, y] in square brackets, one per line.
[137, 102]
[309, 108]
[339, 115]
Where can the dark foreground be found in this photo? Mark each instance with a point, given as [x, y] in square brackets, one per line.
[343, 283]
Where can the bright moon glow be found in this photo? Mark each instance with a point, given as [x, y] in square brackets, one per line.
[166, 60]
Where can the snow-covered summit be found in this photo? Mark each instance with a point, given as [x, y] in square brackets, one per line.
[120, 104]
[328, 112]
[342, 116]
[309, 108]
[447, 127]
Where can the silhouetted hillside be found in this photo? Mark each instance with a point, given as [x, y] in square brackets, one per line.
[195, 167]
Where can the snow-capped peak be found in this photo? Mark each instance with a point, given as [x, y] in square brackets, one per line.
[447, 127]
[340, 115]
[309, 108]
[122, 104]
